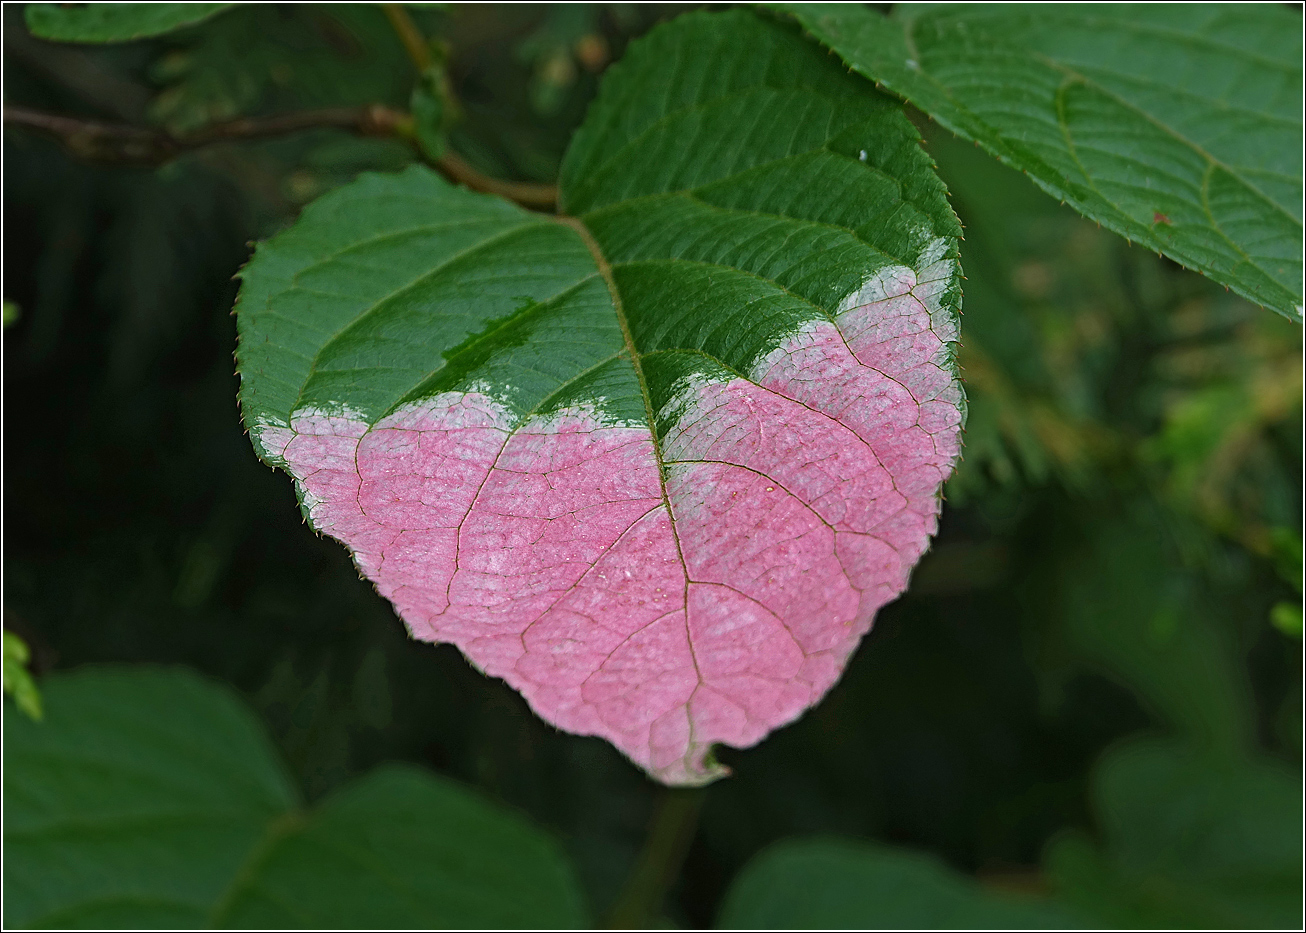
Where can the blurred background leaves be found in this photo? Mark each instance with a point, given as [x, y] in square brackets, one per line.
[154, 799]
[1092, 690]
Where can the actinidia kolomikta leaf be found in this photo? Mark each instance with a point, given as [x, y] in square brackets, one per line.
[656, 463]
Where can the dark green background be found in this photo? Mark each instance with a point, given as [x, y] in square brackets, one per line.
[1108, 558]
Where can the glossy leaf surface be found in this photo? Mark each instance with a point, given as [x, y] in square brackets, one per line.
[656, 463]
[1176, 125]
[114, 22]
[150, 798]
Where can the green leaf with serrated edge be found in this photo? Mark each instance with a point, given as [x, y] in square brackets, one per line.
[1176, 125]
[656, 463]
[151, 798]
[846, 884]
[114, 22]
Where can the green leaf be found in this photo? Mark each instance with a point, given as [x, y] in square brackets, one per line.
[135, 802]
[838, 884]
[1127, 611]
[151, 798]
[569, 444]
[400, 849]
[1178, 126]
[18, 682]
[114, 22]
[1187, 840]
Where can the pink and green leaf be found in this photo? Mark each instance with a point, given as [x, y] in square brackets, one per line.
[656, 462]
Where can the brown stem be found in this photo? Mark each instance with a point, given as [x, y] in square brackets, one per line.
[375, 120]
[124, 143]
[100, 142]
[409, 34]
[419, 51]
[527, 194]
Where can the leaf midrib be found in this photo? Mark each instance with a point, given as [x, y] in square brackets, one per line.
[605, 270]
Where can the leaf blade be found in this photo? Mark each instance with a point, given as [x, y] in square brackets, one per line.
[1111, 110]
[150, 798]
[114, 22]
[402, 848]
[117, 809]
[830, 883]
[724, 281]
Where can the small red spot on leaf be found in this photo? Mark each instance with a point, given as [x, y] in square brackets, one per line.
[1159, 218]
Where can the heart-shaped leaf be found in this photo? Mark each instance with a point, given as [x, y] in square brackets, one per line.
[1176, 125]
[656, 463]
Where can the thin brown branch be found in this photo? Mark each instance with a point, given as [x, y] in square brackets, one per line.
[527, 194]
[97, 141]
[409, 34]
[121, 143]
[375, 120]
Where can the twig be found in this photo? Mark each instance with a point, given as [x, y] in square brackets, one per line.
[453, 166]
[375, 120]
[124, 143]
[419, 50]
[409, 34]
[96, 141]
[658, 865]
[528, 194]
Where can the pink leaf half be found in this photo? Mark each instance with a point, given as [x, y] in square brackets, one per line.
[665, 595]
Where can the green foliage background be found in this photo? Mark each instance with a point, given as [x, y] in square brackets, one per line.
[1115, 545]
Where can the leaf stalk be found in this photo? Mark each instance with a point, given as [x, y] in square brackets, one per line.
[671, 833]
